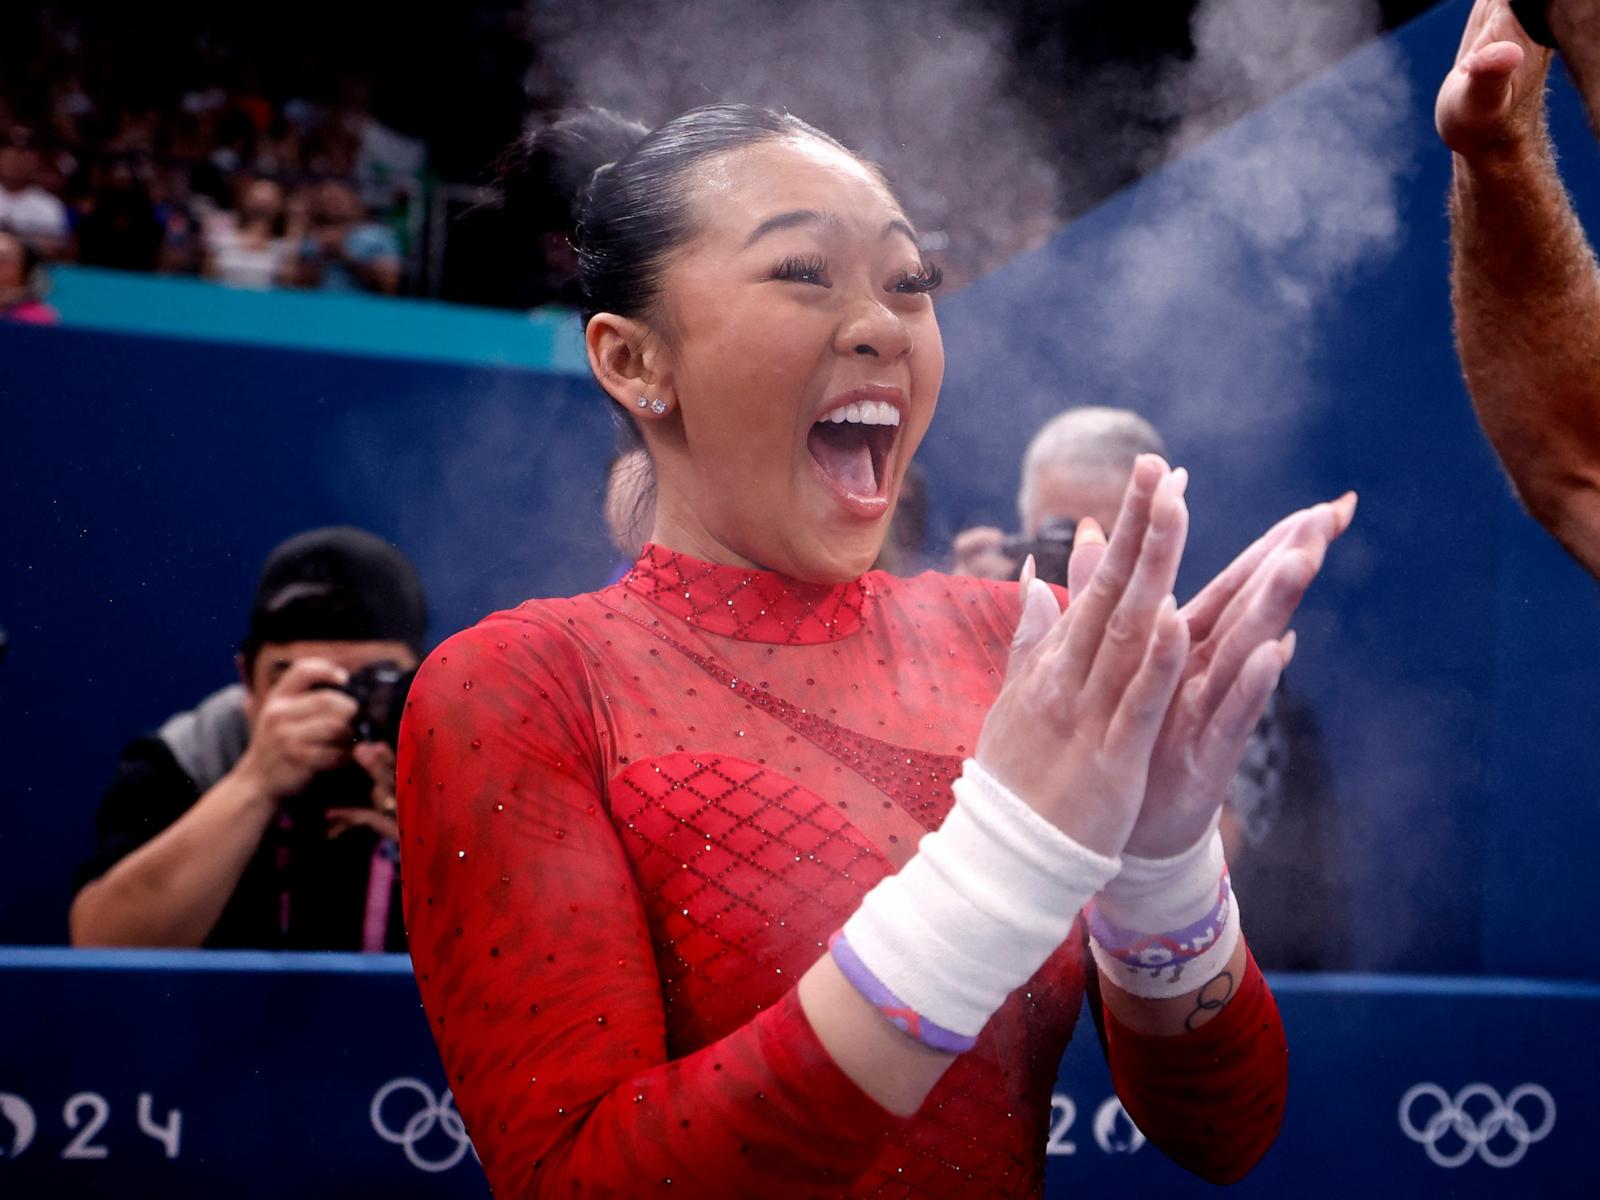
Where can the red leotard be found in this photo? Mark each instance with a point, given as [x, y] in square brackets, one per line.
[630, 821]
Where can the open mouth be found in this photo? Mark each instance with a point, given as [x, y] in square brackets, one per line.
[852, 445]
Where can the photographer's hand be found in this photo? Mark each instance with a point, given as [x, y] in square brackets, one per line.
[301, 728]
[978, 551]
[378, 761]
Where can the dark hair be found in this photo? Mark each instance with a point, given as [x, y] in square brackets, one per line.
[618, 187]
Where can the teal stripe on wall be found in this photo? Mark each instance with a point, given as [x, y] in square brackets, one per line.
[122, 302]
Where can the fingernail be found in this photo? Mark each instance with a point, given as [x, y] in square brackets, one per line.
[1287, 645]
[1089, 532]
[1027, 575]
[1182, 476]
[1144, 462]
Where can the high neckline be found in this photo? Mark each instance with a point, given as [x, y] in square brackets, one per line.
[747, 603]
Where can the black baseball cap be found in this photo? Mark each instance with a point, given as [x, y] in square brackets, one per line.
[339, 584]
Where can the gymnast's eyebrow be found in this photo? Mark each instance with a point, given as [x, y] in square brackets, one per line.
[809, 216]
[899, 226]
[788, 220]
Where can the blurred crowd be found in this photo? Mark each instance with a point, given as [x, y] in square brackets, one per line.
[210, 176]
[225, 185]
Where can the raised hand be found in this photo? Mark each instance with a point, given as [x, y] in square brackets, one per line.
[980, 551]
[1072, 729]
[301, 728]
[1493, 99]
[378, 760]
[1238, 651]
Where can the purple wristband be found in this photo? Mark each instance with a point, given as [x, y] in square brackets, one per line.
[1156, 951]
[905, 1019]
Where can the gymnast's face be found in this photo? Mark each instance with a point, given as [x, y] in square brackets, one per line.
[800, 353]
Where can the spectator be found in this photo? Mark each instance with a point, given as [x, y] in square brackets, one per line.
[1279, 823]
[25, 207]
[1523, 280]
[344, 251]
[254, 250]
[1076, 466]
[21, 284]
[255, 820]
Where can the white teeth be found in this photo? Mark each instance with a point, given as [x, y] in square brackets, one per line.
[869, 412]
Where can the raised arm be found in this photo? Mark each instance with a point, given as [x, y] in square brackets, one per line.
[1523, 278]
[1196, 1046]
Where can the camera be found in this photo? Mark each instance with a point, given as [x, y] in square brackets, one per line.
[380, 690]
[1051, 548]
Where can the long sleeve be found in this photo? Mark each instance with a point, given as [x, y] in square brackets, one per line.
[538, 973]
[1212, 1099]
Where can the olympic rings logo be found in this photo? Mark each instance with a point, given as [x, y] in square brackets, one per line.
[1481, 1134]
[434, 1114]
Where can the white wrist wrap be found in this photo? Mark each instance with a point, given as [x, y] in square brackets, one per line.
[1166, 926]
[986, 899]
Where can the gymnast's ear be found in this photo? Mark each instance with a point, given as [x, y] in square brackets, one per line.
[628, 360]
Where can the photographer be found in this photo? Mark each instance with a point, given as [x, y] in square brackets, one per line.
[263, 818]
[1075, 469]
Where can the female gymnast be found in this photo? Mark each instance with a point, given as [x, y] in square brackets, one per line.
[763, 874]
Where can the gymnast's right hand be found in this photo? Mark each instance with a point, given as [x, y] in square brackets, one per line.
[1085, 693]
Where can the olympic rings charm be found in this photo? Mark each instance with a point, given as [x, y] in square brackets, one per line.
[1477, 1133]
[441, 1113]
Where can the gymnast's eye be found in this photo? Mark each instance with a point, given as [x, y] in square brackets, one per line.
[803, 270]
[923, 280]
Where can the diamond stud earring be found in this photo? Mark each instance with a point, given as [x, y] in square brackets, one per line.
[643, 401]
[658, 407]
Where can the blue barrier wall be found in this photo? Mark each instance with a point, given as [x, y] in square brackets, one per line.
[245, 1075]
[1450, 651]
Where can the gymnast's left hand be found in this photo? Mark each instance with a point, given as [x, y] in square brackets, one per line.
[1238, 651]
